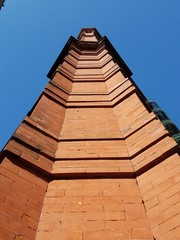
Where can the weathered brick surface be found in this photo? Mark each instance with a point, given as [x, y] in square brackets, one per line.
[63, 82]
[95, 209]
[114, 81]
[93, 166]
[21, 201]
[84, 123]
[160, 188]
[154, 153]
[145, 136]
[36, 139]
[26, 155]
[89, 88]
[49, 115]
[89, 149]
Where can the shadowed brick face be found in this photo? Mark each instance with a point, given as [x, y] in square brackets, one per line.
[90, 161]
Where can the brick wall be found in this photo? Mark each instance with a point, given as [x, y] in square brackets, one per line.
[160, 189]
[21, 197]
[93, 209]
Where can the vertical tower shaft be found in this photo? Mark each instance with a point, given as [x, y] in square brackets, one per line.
[90, 160]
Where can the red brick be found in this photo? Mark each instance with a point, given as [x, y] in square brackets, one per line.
[4, 180]
[11, 212]
[83, 225]
[151, 202]
[92, 225]
[28, 221]
[141, 234]
[52, 226]
[2, 197]
[101, 235]
[176, 178]
[156, 190]
[168, 235]
[33, 213]
[55, 193]
[6, 234]
[77, 216]
[17, 195]
[14, 204]
[103, 216]
[34, 204]
[111, 192]
[45, 162]
[10, 166]
[40, 189]
[56, 235]
[169, 192]
[170, 201]
[135, 211]
[80, 207]
[64, 184]
[31, 177]
[71, 226]
[100, 199]
[128, 224]
[54, 208]
[15, 177]
[20, 238]
[168, 225]
[21, 190]
[131, 199]
[10, 147]
[82, 193]
[55, 200]
[17, 227]
[115, 207]
[172, 211]
[176, 232]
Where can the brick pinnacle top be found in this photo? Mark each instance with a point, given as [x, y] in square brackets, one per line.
[89, 38]
[89, 34]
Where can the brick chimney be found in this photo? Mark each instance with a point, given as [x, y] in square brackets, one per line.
[90, 161]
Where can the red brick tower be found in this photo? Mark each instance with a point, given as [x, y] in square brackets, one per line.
[90, 161]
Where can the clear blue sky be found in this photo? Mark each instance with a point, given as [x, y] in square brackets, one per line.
[146, 34]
